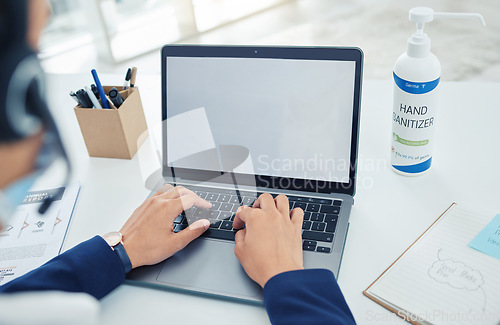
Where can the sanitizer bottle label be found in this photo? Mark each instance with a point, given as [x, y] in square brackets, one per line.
[413, 125]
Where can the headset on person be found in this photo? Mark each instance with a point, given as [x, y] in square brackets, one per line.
[23, 106]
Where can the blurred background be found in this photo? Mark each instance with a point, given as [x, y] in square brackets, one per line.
[112, 35]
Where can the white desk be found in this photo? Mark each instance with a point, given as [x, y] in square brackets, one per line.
[390, 211]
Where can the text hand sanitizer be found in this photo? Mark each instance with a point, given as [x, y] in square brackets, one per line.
[416, 83]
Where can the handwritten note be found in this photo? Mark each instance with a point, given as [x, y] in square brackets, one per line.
[488, 240]
[440, 280]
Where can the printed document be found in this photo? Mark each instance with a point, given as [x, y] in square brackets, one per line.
[30, 239]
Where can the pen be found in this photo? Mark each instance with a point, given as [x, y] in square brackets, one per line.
[84, 99]
[127, 79]
[115, 97]
[94, 90]
[93, 98]
[132, 77]
[73, 95]
[104, 100]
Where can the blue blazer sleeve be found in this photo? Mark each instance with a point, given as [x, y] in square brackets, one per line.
[306, 297]
[91, 267]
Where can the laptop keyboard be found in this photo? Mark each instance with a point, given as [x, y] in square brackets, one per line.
[318, 228]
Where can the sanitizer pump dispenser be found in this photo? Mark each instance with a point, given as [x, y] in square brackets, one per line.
[416, 79]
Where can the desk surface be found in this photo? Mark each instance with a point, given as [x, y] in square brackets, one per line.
[390, 211]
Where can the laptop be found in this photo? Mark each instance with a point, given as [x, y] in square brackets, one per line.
[238, 121]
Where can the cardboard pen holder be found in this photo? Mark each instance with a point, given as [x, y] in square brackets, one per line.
[115, 132]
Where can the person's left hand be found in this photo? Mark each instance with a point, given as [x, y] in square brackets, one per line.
[148, 236]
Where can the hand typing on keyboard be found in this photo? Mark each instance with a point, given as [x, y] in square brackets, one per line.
[271, 241]
[148, 236]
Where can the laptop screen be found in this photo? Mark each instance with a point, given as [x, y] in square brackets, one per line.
[289, 118]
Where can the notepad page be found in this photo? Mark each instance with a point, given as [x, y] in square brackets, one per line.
[443, 281]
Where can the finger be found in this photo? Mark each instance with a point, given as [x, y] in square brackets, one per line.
[185, 202]
[241, 217]
[175, 192]
[297, 217]
[265, 202]
[163, 189]
[181, 191]
[192, 232]
[239, 239]
[282, 205]
[201, 203]
[174, 207]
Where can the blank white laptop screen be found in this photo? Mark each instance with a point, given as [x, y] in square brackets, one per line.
[294, 117]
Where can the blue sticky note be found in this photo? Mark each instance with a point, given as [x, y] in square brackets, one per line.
[488, 240]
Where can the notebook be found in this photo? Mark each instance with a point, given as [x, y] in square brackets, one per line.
[439, 279]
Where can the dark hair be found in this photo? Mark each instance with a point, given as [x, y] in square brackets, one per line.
[13, 21]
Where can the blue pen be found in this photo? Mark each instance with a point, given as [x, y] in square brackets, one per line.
[102, 94]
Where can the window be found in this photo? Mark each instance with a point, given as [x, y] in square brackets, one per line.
[66, 29]
[122, 29]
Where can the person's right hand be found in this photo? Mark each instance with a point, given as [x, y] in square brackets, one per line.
[271, 242]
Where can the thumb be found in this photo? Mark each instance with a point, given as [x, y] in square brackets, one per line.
[192, 232]
[297, 217]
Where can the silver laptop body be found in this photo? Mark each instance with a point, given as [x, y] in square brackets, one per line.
[243, 120]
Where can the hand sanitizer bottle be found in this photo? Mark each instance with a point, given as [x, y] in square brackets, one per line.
[416, 83]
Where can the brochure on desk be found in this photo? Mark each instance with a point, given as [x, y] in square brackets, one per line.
[30, 239]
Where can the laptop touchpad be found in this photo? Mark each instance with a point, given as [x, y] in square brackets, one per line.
[209, 266]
